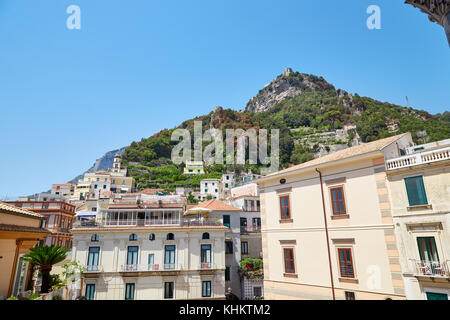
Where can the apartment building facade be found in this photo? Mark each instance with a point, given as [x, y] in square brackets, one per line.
[327, 229]
[419, 188]
[147, 249]
[228, 216]
[58, 219]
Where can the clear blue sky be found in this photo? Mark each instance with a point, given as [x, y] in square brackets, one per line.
[136, 67]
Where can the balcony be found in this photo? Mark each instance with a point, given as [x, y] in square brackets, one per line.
[93, 269]
[149, 267]
[145, 223]
[435, 269]
[207, 266]
[418, 159]
[250, 229]
[63, 230]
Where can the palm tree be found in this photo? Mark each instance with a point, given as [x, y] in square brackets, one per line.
[45, 257]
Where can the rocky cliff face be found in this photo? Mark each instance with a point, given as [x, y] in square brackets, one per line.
[104, 163]
[287, 85]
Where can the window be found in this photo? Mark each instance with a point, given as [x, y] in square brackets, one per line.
[168, 290]
[257, 291]
[416, 191]
[289, 266]
[349, 295]
[169, 257]
[244, 247]
[205, 236]
[170, 236]
[284, 207]
[95, 186]
[129, 291]
[427, 249]
[337, 200]
[104, 186]
[346, 263]
[151, 259]
[228, 247]
[151, 237]
[98, 179]
[93, 257]
[226, 221]
[133, 237]
[114, 181]
[132, 255]
[227, 274]
[436, 296]
[226, 185]
[94, 238]
[206, 289]
[90, 291]
[205, 255]
[94, 209]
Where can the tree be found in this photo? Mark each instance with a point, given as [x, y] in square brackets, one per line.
[45, 257]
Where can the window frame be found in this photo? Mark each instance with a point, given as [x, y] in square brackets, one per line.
[346, 276]
[128, 285]
[341, 187]
[89, 285]
[289, 208]
[208, 293]
[286, 271]
[242, 247]
[172, 289]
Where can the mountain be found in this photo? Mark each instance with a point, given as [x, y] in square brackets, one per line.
[287, 85]
[314, 119]
[103, 163]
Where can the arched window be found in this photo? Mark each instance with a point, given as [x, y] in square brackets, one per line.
[151, 237]
[94, 238]
[170, 236]
[205, 236]
[133, 237]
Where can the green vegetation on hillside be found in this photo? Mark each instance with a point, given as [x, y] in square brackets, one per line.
[313, 111]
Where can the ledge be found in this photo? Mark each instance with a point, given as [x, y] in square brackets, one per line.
[422, 206]
[348, 280]
[290, 275]
[340, 216]
[286, 220]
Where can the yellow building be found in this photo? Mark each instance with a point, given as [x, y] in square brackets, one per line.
[419, 185]
[327, 229]
[20, 230]
[194, 167]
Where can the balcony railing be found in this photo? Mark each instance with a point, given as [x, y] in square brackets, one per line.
[431, 268]
[63, 230]
[139, 222]
[92, 269]
[207, 266]
[418, 159]
[149, 267]
[250, 229]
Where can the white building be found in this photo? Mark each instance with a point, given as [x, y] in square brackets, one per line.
[228, 216]
[212, 187]
[147, 249]
[419, 190]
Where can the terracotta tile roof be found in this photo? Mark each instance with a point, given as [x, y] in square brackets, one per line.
[344, 154]
[216, 205]
[7, 208]
[16, 228]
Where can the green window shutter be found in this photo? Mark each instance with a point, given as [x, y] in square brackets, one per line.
[416, 191]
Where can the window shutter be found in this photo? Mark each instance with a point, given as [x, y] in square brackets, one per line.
[416, 191]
